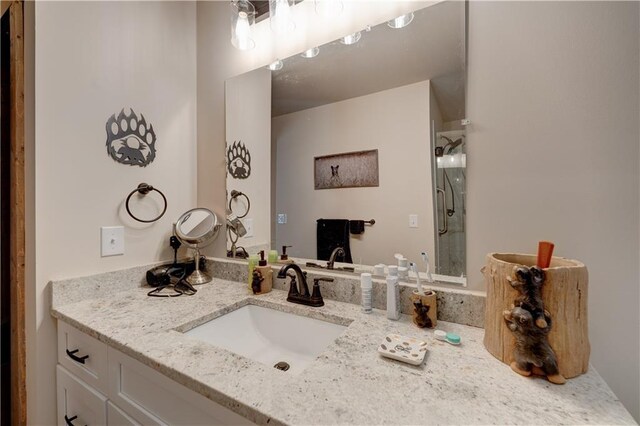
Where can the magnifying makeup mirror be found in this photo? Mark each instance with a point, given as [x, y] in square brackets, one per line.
[197, 228]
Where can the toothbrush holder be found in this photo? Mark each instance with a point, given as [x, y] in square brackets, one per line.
[422, 316]
[565, 298]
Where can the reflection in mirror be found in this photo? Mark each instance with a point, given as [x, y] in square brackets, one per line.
[361, 131]
[197, 228]
[196, 224]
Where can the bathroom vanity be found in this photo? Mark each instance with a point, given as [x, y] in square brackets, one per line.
[143, 368]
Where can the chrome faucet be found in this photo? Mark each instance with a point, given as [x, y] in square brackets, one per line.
[300, 294]
[338, 251]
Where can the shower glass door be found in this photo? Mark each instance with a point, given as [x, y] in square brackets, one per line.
[450, 160]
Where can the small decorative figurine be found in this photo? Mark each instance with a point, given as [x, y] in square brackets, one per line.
[256, 282]
[532, 351]
[529, 283]
[421, 317]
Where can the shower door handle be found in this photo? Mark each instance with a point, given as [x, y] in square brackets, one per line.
[444, 211]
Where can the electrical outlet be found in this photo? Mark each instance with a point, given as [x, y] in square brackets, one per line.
[112, 240]
[248, 225]
[413, 221]
[282, 218]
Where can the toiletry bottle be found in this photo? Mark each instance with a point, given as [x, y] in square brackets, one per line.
[273, 256]
[366, 286]
[264, 281]
[393, 298]
[284, 257]
[253, 262]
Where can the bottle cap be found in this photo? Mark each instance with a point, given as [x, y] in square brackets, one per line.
[262, 261]
[453, 338]
[393, 270]
[365, 280]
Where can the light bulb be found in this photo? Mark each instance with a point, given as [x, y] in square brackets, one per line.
[275, 66]
[281, 17]
[329, 8]
[242, 16]
[243, 40]
[401, 21]
[311, 53]
[351, 38]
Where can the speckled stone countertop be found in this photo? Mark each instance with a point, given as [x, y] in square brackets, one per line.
[347, 384]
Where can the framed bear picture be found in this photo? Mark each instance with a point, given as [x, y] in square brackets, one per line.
[346, 170]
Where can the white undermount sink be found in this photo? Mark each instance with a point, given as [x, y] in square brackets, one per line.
[269, 336]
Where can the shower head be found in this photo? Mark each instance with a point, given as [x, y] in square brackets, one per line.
[454, 145]
[451, 144]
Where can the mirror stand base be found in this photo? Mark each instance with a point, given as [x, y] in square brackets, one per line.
[198, 277]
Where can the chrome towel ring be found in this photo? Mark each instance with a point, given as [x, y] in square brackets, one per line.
[144, 189]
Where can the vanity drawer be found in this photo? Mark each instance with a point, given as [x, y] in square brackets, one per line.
[152, 398]
[78, 404]
[83, 355]
[117, 417]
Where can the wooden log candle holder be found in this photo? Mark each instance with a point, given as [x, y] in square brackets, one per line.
[564, 294]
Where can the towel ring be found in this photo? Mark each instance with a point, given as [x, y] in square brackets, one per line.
[144, 189]
[235, 194]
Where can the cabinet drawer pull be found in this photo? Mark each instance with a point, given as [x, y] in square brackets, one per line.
[79, 359]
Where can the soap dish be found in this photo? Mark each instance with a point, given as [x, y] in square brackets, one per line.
[405, 349]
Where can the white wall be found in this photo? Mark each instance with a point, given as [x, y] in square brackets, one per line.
[396, 123]
[248, 100]
[93, 59]
[553, 154]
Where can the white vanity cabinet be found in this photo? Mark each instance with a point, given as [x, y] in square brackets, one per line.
[98, 385]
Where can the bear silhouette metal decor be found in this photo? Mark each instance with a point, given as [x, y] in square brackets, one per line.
[238, 161]
[130, 139]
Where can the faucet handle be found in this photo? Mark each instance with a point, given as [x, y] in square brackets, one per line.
[316, 297]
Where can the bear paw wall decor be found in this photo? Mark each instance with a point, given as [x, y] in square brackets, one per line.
[130, 140]
[238, 161]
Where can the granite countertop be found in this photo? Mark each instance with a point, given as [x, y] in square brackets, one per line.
[349, 383]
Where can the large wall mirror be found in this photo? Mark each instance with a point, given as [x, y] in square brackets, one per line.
[358, 143]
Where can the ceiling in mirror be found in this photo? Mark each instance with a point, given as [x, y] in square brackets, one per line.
[431, 47]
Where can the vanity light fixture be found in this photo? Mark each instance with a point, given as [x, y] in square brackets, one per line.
[329, 8]
[401, 21]
[281, 16]
[243, 16]
[351, 38]
[311, 53]
[275, 66]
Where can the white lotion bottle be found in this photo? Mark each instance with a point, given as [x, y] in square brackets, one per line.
[393, 298]
[366, 286]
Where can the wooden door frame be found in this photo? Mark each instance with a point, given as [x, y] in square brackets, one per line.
[17, 210]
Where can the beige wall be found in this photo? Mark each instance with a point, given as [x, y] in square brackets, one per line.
[553, 154]
[248, 101]
[91, 60]
[396, 123]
